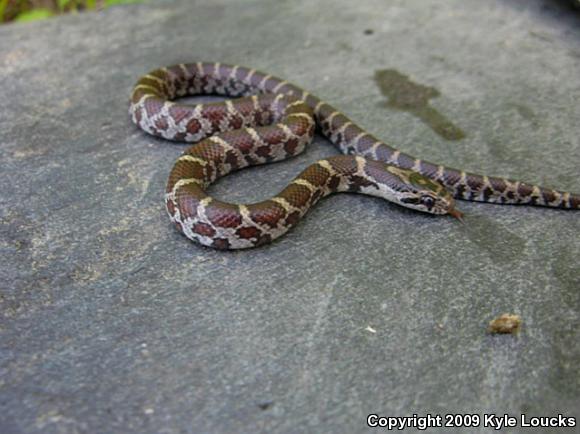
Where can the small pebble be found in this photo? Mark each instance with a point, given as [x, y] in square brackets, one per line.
[505, 323]
[370, 329]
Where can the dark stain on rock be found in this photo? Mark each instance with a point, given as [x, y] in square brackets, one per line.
[542, 36]
[501, 245]
[406, 95]
[565, 377]
[565, 269]
[526, 113]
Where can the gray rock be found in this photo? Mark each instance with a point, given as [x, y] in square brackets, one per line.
[112, 322]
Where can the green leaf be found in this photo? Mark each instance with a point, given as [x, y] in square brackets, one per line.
[91, 4]
[35, 14]
[63, 4]
[3, 4]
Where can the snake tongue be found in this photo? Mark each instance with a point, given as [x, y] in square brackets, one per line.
[457, 214]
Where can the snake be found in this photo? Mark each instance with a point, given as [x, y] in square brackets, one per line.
[265, 119]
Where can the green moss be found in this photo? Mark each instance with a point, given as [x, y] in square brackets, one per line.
[19, 10]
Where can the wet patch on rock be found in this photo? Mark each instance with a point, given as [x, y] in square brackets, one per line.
[406, 95]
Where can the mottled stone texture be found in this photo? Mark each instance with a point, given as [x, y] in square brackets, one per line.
[111, 322]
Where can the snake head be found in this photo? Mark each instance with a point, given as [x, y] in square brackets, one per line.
[426, 195]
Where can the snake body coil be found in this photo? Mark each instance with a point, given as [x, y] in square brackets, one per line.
[271, 120]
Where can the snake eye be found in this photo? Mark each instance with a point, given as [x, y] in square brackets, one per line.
[427, 201]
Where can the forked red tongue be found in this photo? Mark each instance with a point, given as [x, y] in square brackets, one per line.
[457, 214]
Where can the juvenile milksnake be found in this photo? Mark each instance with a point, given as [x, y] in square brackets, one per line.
[275, 120]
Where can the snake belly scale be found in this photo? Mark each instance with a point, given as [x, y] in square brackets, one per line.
[270, 120]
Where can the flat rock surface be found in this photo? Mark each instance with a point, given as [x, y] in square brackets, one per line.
[111, 321]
